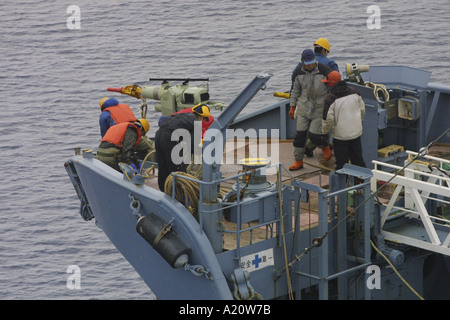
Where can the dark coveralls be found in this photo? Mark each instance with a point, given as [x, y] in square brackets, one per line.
[164, 144]
[111, 153]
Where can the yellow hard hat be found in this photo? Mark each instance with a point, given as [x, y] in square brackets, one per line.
[145, 124]
[322, 42]
[202, 110]
[103, 101]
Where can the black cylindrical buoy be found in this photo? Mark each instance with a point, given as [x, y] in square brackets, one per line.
[169, 246]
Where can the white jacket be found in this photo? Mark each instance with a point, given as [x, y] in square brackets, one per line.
[344, 115]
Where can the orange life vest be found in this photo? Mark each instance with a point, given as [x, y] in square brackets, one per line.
[121, 113]
[116, 133]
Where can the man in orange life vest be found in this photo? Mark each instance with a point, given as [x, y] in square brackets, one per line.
[113, 113]
[120, 142]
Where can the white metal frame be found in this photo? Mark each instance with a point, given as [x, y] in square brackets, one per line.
[418, 183]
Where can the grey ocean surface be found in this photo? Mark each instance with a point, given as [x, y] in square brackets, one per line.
[52, 79]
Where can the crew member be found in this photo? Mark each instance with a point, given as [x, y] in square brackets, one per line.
[307, 101]
[164, 143]
[120, 142]
[343, 114]
[205, 124]
[113, 113]
[321, 50]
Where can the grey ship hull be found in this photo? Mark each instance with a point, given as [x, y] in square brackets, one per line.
[108, 195]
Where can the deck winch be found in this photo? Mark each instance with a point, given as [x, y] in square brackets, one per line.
[255, 180]
[163, 239]
[256, 194]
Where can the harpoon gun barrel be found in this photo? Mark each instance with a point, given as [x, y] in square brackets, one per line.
[171, 98]
[132, 90]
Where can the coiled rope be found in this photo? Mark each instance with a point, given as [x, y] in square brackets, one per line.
[378, 88]
[186, 191]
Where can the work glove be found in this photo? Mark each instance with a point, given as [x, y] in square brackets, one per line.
[292, 113]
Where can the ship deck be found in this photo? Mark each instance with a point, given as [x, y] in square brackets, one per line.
[315, 168]
[315, 171]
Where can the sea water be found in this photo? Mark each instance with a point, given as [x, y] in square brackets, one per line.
[58, 57]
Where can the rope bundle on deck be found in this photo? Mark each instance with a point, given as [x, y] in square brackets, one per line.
[186, 191]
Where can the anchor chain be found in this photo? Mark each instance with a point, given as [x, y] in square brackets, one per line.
[243, 290]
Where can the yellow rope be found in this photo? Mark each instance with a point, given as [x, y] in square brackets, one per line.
[378, 88]
[145, 160]
[186, 191]
[288, 277]
[396, 272]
